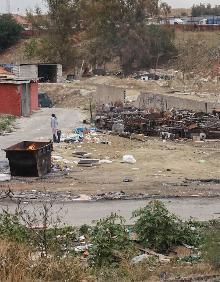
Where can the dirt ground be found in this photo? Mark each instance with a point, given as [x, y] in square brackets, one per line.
[165, 168]
[180, 168]
[77, 94]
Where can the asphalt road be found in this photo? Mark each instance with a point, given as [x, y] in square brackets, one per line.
[37, 126]
[79, 213]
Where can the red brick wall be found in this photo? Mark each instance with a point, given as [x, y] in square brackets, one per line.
[34, 96]
[10, 99]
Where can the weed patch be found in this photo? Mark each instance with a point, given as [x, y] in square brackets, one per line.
[6, 122]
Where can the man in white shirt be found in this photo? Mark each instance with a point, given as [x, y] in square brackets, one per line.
[54, 127]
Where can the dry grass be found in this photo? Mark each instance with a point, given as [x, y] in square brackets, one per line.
[6, 122]
[18, 263]
[211, 38]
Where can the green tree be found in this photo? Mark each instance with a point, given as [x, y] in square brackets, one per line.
[10, 31]
[121, 26]
[205, 10]
[60, 28]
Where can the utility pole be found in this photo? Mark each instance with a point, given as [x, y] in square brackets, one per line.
[8, 7]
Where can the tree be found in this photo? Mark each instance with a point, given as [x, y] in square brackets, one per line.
[121, 25]
[60, 26]
[165, 10]
[205, 10]
[10, 31]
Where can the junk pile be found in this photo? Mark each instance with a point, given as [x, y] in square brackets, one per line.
[172, 124]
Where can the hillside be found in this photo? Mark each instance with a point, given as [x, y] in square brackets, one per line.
[16, 54]
[206, 64]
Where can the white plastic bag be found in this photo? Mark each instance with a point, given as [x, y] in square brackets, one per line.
[129, 159]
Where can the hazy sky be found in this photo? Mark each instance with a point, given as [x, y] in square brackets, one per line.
[21, 5]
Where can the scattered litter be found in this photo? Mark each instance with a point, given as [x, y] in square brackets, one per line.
[5, 177]
[140, 258]
[105, 162]
[82, 248]
[57, 158]
[129, 159]
[83, 197]
[82, 155]
[82, 238]
[89, 162]
[127, 179]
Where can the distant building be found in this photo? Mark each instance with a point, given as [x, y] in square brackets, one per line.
[51, 73]
[203, 20]
[23, 21]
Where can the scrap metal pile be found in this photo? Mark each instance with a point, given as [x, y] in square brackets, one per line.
[172, 124]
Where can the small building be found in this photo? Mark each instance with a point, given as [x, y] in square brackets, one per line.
[23, 21]
[18, 97]
[51, 73]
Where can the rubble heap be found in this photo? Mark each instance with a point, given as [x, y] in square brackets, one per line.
[172, 124]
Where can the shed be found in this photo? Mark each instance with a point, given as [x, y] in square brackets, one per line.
[18, 97]
[45, 72]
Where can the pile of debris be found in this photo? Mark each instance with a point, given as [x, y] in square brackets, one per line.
[172, 124]
[83, 134]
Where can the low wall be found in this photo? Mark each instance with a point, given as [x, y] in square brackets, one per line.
[108, 94]
[166, 102]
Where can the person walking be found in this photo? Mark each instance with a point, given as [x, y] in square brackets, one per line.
[54, 127]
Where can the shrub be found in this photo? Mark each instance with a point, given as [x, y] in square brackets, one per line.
[110, 239]
[160, 230]
[6, 122]
[11, 228]
[211, 247]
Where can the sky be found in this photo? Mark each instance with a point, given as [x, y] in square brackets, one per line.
[19, 6]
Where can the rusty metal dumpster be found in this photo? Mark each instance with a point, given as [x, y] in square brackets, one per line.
[30, 158]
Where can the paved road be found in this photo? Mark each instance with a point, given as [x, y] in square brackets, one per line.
[79, 213]
[37, 127]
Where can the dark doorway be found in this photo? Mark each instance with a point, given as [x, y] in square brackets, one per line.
[47, 73]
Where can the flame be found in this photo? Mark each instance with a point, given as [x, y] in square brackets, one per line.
[32, 147]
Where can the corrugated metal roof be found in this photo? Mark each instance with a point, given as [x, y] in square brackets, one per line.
[17, 81]
[4, 72]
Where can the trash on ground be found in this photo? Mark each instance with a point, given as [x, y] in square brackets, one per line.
[105, 161]
[5, 177]
[89, 162]
[129, 159]
[127, 179]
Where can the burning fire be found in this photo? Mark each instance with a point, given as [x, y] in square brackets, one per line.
[32, 147]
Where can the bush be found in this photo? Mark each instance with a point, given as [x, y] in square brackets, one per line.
[110, 239]
[161, 230]
[211, 247]
[6, 122]
[11, 228]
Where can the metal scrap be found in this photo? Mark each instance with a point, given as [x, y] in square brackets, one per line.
[172, 124]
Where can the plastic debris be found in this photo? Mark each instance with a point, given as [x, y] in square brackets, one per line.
[129, 159]
[105, 162]
[140, 258]
[5, 177]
